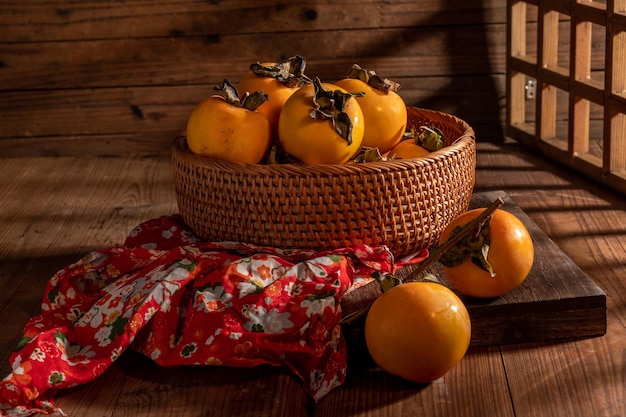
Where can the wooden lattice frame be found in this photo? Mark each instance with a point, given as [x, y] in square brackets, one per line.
[525, 64]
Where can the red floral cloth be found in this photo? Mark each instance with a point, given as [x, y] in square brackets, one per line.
[181, 301]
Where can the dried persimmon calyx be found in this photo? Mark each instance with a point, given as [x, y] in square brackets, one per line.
[290, 72]
[369, 154]
[249, 101]
[430, 138]
[330, 105]
[386, 280]
[372, 79]
[475, 245]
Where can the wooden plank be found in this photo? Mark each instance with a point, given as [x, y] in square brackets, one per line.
[615, 142]
[26, 259]
[615, 120]
[618, 19]
[560, 6]
[591, 81]
[590, 12]
[547, 52]
[21, 276]
[589, 89]
[557, 300]
[56, 210]
[66, 52]
[218, 391]
[576, 378]
[408, 52]
[563, 50]
[151, 111]
[32, 20]
[555, 77]
[580, 68]
[580, 377]
[556, 150]
[148, 118]
[76, 204]
[516, 46]
[39, 218]
[524, 64]
[475, 387]
[82, 145]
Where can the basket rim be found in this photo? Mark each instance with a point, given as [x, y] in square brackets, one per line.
[466, 139]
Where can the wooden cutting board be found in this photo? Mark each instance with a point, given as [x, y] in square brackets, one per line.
[556, 301]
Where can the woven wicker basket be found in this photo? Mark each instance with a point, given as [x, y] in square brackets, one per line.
[403, 204]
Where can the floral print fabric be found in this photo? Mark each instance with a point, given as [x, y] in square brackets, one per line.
[181, 301]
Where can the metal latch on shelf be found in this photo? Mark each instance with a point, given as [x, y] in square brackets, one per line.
[531, 88]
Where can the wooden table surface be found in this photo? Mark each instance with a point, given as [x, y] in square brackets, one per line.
[54, 210]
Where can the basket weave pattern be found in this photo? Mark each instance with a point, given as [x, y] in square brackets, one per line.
[403, 204]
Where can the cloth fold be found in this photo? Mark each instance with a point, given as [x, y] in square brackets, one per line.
[181, 301]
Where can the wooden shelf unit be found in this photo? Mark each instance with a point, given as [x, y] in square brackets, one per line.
[566, 83]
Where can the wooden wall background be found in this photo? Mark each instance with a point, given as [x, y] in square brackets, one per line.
[104, 77]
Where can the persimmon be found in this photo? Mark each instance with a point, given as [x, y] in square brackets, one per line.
[418, 142]
[226, 127]
[493, 260]
[407, 149]
[321, 123]
[417, 331]
[278, 80]
[384, 110]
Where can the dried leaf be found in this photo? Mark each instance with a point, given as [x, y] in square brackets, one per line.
[387, 281]
[430, 277]
[249, 101]
[367, 154]
[252, 101]
[229, 92]
[430, 138]
[343, 125]
[330, 105]
[289, 72]
[479, 259]
[474, 245]
[372, 79]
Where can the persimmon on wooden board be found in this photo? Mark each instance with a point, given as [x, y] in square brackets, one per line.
[557, 300]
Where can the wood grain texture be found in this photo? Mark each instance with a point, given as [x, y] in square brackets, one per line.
[54, 210]
[67, 20]
[396, 52]
[587, 221]
[78, 121]
[68, 68]
[371, 392]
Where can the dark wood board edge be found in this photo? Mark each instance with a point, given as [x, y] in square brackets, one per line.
[557, 301]
[536, 324]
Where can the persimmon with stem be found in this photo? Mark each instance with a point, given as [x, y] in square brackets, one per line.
[226, 127]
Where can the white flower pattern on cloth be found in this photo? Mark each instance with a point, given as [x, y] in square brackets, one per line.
[262, 320]
[182, 302]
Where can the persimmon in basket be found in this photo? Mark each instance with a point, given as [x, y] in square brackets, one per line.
[321, 123]
[407, 149]
[383, 109]
[226, 127]
[279, 80]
